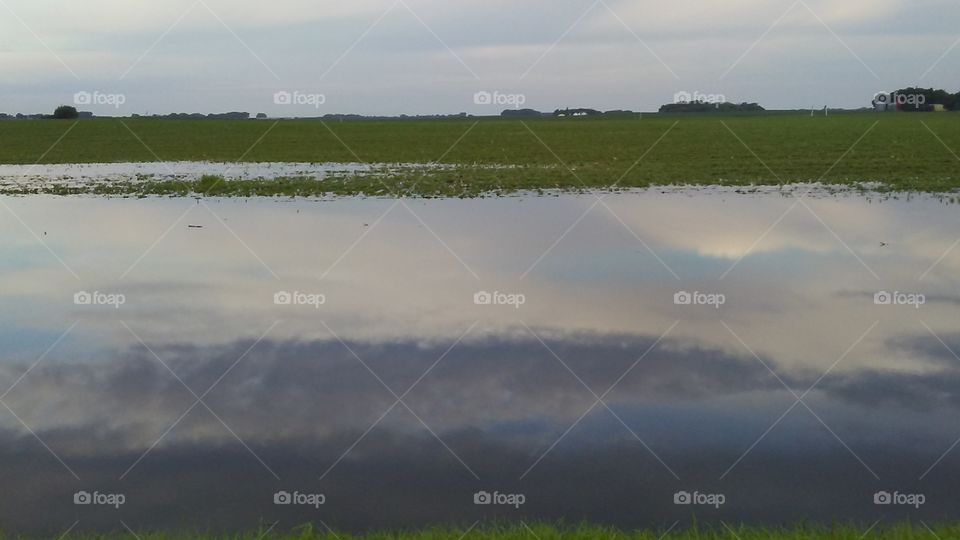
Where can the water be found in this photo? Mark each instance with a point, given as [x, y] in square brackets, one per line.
[187, 388]
[97, 174]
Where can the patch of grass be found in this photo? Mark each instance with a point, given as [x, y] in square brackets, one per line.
[903, 152]
[582, 532]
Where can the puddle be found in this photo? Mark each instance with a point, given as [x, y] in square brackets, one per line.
[91, 174]
[698, 316]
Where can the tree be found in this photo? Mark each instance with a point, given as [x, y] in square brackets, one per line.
[66, 112]
[919, 99]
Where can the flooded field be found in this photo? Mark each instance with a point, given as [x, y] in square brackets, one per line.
[90, 176]
[636, 359]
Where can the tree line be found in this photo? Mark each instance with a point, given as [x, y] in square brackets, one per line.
[918, 99]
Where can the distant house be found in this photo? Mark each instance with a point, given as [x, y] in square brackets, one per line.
[563, 113]
[888, 106]
[882, 106]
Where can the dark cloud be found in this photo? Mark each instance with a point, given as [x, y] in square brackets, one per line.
[403, 480]
[308, 390]
[936, 386]
[923, 392]
[496, 403]
[941, 349]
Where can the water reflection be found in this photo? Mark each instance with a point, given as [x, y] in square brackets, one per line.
[398, 397]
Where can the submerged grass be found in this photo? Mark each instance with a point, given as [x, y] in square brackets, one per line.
[900, 152]
[904, 531]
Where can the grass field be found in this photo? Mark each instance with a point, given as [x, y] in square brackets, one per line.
[908, 152]
[587, 532]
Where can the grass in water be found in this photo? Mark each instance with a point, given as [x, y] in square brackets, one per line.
[903, 152]
[904, 531]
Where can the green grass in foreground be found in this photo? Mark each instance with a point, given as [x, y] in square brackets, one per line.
[906, 152]
[588, 532]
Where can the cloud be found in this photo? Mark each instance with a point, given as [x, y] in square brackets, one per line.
[497, 403]
[309, 392]
[183, 46]
[275, 393]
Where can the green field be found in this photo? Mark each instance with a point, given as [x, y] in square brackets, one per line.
[586, 532]
[905, 152]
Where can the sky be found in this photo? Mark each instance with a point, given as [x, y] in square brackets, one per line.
[391, 57]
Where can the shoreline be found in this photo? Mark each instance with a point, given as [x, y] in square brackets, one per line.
[373, 185]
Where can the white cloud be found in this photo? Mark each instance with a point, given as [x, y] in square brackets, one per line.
[598, 63]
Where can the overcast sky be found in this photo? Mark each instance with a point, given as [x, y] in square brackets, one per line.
[433, 56]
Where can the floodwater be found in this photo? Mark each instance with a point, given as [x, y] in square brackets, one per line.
[196, 365]
[94, 174]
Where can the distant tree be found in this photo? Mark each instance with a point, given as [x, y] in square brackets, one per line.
[618, 112]
[521, 113]
[921, 99]
[261, 116]
[66, 112]
[908, 99]
[229, 116]
[705, 107]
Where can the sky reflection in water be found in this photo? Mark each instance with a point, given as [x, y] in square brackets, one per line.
[398, 398]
